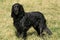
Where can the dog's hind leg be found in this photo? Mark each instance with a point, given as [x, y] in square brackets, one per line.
[38, 27]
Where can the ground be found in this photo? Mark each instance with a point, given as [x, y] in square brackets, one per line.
[50, 9]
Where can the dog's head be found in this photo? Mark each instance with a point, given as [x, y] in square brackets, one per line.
[17, 9]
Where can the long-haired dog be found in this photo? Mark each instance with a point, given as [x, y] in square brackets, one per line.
[24, 20]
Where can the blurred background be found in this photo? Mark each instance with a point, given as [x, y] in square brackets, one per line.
[50, 9]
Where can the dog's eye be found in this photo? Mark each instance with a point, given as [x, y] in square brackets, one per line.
[16, 8]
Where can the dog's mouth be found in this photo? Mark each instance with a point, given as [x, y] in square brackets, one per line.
[16, 12]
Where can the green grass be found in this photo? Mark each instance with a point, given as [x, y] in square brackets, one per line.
[50, 9]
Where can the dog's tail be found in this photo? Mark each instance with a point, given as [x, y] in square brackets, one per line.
[47, 30]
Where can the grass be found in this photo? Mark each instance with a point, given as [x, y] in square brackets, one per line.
[50, 9]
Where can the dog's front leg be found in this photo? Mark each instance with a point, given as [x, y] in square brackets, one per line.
[24, 34]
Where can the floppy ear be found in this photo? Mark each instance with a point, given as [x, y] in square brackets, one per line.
[21, 10]
[12, 12]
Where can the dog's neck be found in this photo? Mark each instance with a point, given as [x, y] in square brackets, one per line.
[18, 17]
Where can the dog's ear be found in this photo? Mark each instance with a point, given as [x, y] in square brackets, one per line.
[12, 12]
[21, 9]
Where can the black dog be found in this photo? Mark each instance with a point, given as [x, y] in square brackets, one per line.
[24, 20]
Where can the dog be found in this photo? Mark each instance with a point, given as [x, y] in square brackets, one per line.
[24, 20]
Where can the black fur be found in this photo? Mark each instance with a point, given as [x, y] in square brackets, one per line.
[24, 20]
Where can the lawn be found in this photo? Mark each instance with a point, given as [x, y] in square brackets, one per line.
[50, 9]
